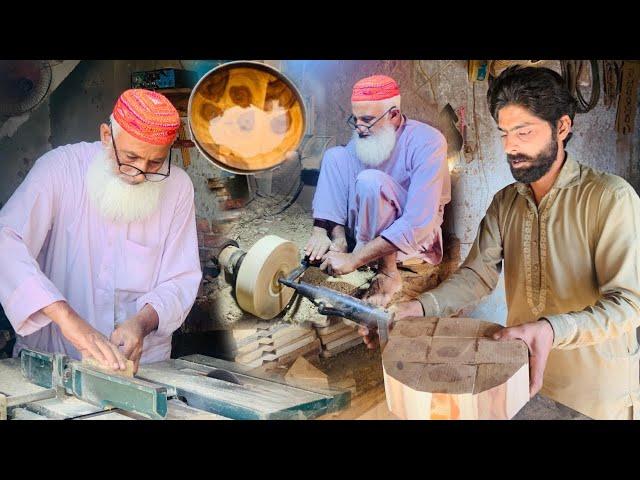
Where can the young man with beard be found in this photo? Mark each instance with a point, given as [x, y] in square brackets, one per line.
[98, 245]
[568, 238]
[383, 193]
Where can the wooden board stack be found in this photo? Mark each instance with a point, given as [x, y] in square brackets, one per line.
[338, 336]
[450, 368]
[273, 342]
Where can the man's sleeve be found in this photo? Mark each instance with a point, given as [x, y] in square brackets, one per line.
[331, 197]
[477, 277]
[180, 272]
[617, 265]
[420, 217]
[25, 222]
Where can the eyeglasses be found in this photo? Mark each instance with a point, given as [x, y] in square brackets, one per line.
[352, 121]
[132, 171]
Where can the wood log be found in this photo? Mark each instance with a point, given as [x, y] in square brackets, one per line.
[450, 368]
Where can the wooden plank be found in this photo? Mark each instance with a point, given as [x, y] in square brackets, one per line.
[325, 339]
[127, 372]
[345, 346]
[275, 353]
[342, 340]
[309, 350]
[339, 325]
[285, 340]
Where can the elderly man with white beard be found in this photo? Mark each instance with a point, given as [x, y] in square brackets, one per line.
[98, 245]
[383, 193]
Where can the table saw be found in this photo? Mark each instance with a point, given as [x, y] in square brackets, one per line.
[40, 385]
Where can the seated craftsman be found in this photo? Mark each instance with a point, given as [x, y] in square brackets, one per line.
[382, 196]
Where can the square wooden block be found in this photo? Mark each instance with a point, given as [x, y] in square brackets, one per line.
[452, 350]
[414, 327]
[456, 327]
[505, 351]
[409, 349]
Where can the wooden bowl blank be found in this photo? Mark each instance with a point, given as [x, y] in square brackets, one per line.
[450, 368]
[245, 117]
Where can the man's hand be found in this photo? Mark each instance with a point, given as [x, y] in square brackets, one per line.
[86, 339]
[338, 263]
[402, 310]
[539, 338]
[130, 334]
[412, 308]
[317, 245]
[339, 244]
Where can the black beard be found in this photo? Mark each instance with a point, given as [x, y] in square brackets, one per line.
[540, 164]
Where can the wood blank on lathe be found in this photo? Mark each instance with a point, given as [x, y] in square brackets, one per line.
[257, 288]
[450, 368]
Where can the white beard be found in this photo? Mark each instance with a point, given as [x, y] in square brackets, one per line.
[375, 149]
[117, 200]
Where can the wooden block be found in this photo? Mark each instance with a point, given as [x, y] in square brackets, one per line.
[336, 335]
[247, 348]
[348, 383]
[304, 374]
[410, 349]
[450, 350]
[457, 327]
[297, 340]
[343, 339]
[290, 337]
[454, 372]
[250, 356]
[331, 328]
[310, 350]
[414, 327]
[341, 348]
[505, 351]
[93, 363]
[278, 352]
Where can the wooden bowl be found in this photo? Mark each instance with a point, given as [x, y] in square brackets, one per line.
[246, 117]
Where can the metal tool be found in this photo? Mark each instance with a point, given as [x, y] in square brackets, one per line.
[338, 304]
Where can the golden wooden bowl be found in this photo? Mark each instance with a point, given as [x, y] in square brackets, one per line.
[245, 117]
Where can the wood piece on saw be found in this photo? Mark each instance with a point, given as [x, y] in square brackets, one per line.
[127, 372]
[450, 368]
[304, 374]
[257, 288]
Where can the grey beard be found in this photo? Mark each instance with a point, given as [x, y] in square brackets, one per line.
[375, 149]
[116, 200]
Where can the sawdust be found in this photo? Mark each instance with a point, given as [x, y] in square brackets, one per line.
[258, 219]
